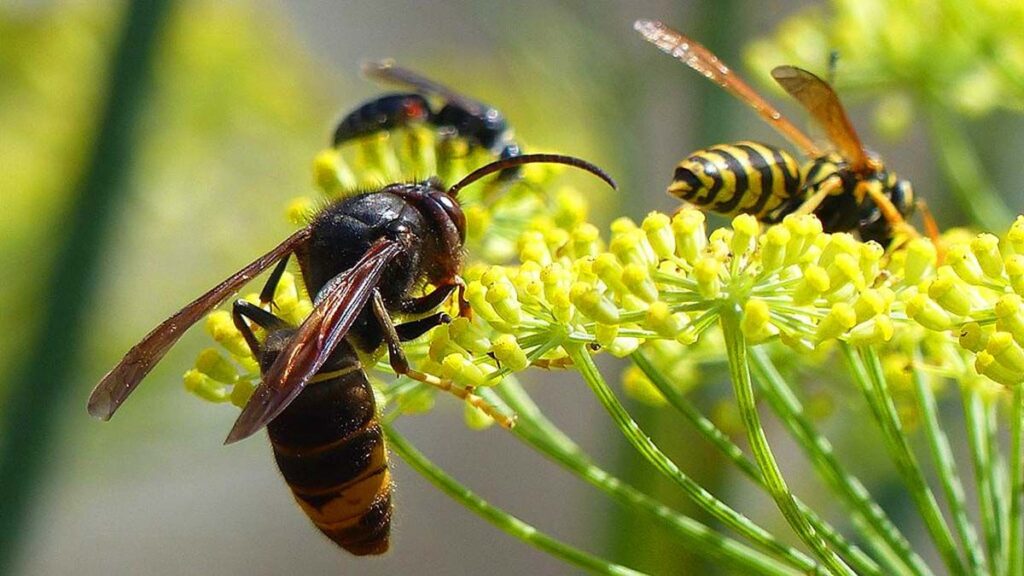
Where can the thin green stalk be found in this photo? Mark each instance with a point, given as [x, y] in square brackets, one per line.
[541, 434]
[883, 536]
[975, 416]
[41, 381]
[869, 377]
[1015, 485]
[707, 501]
[859, 561]
[963, 170]
[503, 520]
[743, 386]
[997, 474]
[946, 467]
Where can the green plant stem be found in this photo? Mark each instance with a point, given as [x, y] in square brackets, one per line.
[541, 434]
[867, 374]
[873, 523]
[646, 447]
[1015, 485]
[963, 170]
[48, 371]
[946, 467]
[503, 520]
[743, 386]
[975, 414]
[997, 474]
[858, 560]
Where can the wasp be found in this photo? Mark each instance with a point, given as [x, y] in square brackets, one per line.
[847, 190]
[459, 116]
[363, 258]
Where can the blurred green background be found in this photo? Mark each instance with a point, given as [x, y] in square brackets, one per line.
[227, 111]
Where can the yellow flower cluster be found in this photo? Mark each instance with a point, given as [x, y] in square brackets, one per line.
[664, 283]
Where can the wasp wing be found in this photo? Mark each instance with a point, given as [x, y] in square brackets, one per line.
[822, 102]
[338, 305]
[386, 71]
[122, 380]
[696, 56]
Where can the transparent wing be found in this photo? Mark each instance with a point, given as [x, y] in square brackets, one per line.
[387, 72]
[708, 65]
[822, 102]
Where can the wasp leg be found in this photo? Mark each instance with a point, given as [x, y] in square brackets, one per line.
[555, 364]
[888, 210]
[400, 364]
[811, 204]
[427, 302]
[244, 309]
[931, 228]
[267, 294]
[416, 328]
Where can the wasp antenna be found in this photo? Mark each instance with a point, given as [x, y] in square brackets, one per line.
[499, 165]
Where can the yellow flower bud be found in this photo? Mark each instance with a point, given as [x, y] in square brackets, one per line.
[658, 228]
[949, 291]
[773, 251]
[705, 272]
[216, 366]
[205, 387]
[986, 251]
[506, 349]
[639, 282]
[927, 313]
[840, 318]
[688, 228]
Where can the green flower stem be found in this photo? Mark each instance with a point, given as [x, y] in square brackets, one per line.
[998, 474]
[946, 467]
[875, 526]
[860, 562]
[539, 433]
[963, 170]
[975, 414]
[646, 447]
[1015, 485]
[503, 520]
[736, 348]
[868, 376]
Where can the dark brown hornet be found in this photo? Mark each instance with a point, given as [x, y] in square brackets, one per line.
[848, 190]
[363, 258]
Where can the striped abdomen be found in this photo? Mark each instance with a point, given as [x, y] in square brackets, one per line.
[741, 178]
[330, 449]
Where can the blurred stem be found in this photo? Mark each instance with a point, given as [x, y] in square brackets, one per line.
[44, 378]
[965, 173]
[867, 373]
[503, 520]
[975, 414]
[860, 562]
[1015, 485]
[743, 386]
[873, 523]
[946, 467]
[646, 447]
[537, 431]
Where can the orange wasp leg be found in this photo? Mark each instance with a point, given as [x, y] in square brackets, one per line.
[400, 364]
[812, 203]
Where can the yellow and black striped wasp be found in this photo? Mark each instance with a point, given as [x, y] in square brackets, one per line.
[848, 190]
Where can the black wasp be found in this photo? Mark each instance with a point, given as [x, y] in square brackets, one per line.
[459, 116]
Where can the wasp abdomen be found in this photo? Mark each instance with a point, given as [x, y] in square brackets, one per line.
[741, 178]
[330, 449]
